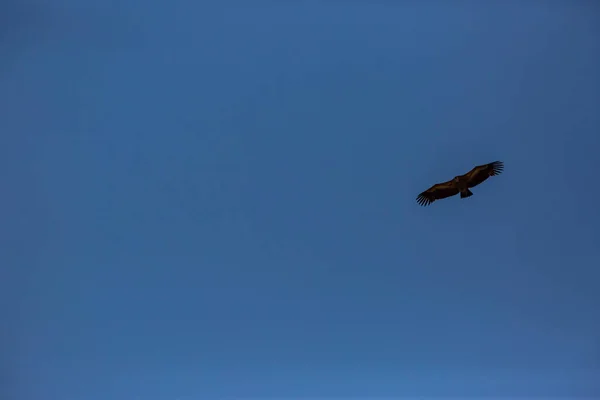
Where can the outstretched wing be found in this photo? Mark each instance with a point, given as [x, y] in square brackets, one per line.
[437, 192]
[481, 172]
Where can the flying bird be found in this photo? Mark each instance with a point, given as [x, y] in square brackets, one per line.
[460, 184]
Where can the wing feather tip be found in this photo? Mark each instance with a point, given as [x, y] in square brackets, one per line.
[497, 167]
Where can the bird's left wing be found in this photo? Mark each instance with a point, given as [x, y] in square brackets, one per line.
[437, 192]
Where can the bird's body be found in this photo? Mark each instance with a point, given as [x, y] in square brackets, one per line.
[460, 184]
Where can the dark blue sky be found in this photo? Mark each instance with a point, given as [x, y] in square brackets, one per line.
[208, 200]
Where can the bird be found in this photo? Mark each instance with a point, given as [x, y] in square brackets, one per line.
[460, 184]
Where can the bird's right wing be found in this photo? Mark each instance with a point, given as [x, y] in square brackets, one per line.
[481, 173]
[437, 192]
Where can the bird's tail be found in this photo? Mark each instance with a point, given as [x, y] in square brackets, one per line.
[465, 194]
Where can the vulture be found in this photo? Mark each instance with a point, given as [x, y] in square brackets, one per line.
[460, 184]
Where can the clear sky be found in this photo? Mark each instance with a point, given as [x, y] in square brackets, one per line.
[210, 200]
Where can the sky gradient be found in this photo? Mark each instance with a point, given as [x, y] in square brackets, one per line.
[210, 200]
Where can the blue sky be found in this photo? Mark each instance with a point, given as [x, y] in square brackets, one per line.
[209, 200]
